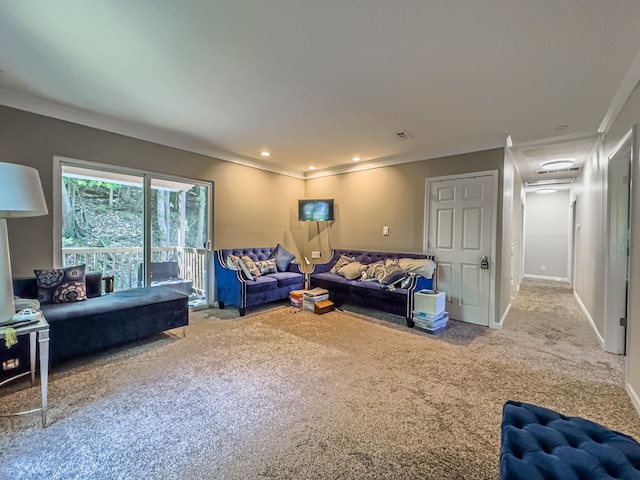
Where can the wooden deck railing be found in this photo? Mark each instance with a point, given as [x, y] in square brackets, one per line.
[123, 263]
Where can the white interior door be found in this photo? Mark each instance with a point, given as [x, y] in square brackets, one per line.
[460, 235]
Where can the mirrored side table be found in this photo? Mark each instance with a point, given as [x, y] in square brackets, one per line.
[37, 332]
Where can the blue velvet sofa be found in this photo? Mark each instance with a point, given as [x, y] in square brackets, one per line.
[103, 321]
[233, 288]
[369, 294]
[538, 443]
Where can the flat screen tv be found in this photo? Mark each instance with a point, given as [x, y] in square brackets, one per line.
[315, 210]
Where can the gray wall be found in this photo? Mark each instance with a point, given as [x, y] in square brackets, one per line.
[546, 243]
[252, 208]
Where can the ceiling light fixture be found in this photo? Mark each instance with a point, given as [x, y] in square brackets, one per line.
[356, 159]
[311, 167]
[557, 164]
[546, 190]
[264, 153]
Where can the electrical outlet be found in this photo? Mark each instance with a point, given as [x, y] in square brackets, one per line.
[315, 254]
[385, 231]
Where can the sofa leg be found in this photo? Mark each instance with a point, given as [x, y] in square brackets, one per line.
[243, 311]
[221, 305]
[410, 323]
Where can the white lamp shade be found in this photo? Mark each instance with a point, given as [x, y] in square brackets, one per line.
[21, 192]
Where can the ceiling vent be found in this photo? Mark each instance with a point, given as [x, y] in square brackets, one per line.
[547, 183]
[561, 170]
[403, 135]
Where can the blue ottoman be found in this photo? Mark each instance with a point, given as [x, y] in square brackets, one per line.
[540, 444]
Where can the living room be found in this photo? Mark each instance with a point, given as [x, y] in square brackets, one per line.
[255, 203]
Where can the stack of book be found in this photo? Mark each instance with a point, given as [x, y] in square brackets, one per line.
[296, 297]
[429, 313]
[313, 296]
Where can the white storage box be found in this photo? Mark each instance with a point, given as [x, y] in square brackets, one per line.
[429, 302]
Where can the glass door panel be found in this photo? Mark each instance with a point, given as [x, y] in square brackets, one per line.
[179, 218]
[103, 223]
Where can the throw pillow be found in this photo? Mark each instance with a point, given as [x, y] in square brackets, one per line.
[352, 270]
[235, 263]
[385, 274]
[267, 266]
[61, 285]
[342, 261]
[420, 266]
[251, 265]
[371, 273]
[282, 257]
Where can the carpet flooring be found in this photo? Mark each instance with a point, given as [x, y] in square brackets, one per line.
[286, 394]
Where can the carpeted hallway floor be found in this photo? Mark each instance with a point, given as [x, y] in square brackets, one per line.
[285, 394]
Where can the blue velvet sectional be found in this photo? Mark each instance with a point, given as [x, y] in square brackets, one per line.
[233, 288]
[103, 321]
[398, 301]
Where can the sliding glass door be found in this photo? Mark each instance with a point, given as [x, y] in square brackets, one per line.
[139, 228]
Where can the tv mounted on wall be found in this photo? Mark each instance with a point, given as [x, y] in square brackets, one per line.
[315, 210]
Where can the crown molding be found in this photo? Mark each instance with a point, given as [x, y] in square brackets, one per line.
[628, 84]
[110, 124]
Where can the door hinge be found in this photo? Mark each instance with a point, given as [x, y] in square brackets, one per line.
[623, 322]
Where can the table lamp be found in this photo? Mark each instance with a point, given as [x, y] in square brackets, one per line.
[20, 196]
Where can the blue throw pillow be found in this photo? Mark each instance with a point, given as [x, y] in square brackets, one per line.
[282, 257]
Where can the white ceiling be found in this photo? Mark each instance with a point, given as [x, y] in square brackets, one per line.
[319, 82]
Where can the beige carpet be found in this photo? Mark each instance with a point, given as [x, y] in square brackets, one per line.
[284, 394]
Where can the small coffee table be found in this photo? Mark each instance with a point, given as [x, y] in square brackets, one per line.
[41, 330]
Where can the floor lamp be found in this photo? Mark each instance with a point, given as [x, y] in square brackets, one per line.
[20, 196]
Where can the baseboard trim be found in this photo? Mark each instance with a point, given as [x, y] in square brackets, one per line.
[633, 396]
[542, 277]
[498, 325]
[591, 322]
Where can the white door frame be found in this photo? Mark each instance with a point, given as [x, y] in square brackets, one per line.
[614, 341]
[494, 221]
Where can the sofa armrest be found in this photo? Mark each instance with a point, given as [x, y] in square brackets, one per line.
[230, 286]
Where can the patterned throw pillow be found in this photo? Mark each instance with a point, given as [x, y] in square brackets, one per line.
[267, 266]
[342, 261]
[390, 272]
[371, 273]
[251, 265]
[61, 285]
[235, 263]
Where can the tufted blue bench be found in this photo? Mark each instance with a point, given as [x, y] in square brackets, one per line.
[540, 444]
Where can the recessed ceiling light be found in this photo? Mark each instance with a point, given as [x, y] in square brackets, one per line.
[561, 127]
[311, 167]
[557, 164]
[546, 190]
[264, 153]
[356, 159]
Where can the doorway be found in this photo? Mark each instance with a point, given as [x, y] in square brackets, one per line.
[461, 230]
[617, 290]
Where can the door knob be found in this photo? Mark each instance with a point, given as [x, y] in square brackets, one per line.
[484, 263]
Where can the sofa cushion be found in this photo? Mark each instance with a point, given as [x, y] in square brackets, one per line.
[282, 257]
[261, 284]
[420, 266]
[287, 279]
[235, 263]
[251, 265]
[61, 285]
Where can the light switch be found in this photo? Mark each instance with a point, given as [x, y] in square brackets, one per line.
[385, 230]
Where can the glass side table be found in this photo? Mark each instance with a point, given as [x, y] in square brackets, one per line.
[41, 331]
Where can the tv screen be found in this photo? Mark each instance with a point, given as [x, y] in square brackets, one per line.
[315, 210]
